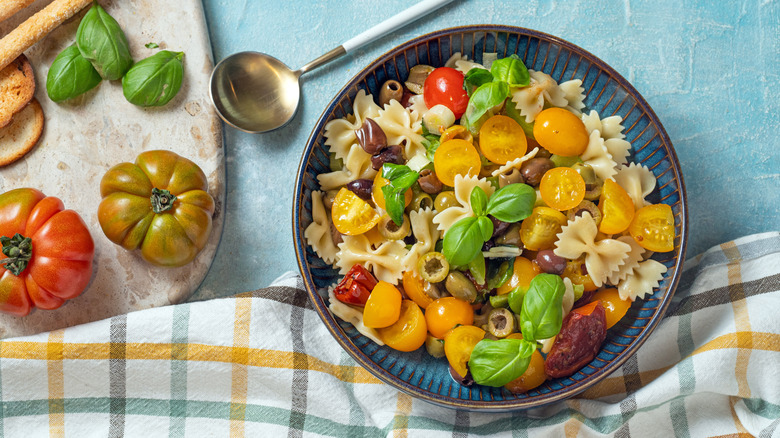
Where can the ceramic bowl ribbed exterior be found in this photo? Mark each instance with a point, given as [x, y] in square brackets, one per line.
[609, 93]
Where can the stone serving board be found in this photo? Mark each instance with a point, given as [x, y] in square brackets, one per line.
[84, 137]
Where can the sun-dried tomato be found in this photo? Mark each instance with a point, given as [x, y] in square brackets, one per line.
[578, 342]
[356, 286]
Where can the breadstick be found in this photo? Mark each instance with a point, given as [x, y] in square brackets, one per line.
[36, 27]
[10, 7]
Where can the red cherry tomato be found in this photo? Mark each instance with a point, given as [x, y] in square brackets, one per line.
[356, 286]
[444, 86]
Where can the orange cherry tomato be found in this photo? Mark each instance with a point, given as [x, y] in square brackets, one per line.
[614, 307]
[409, 332]
[458, 345]
[446, 313]
[561, 132]
[653, 227]
[379, 197]
[352, 215]
[524, 271]
[617, 208]
[576, 272]
[383, 306]
[533, 376]
[562, 188]
[456, 157]
[501, 139]
[538, 231]
[414, 286]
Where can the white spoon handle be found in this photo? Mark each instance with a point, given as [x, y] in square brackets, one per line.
[393, 23]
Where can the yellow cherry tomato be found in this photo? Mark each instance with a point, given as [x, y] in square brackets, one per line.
[383, 306]
[458, 345]
[617, 208]
[614, 307]
[352, 215]
[533, 376]
[456, 131]
[501, 139]
[414, 286]
[562, 188]
[653, 227]
[561, 132]
[576, 272]
[446, 313]
[524, 271]
[538, 231]
[456, 157]
[409, 332]
[379, 197]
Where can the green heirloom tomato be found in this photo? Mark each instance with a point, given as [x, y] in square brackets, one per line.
[159, 205]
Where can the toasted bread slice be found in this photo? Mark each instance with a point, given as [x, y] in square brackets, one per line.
[17, 86]
[19, 137]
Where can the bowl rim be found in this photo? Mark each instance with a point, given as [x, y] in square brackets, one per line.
[487, 405]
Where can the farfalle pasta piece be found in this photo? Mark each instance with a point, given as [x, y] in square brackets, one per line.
[463, 187]
[611, 131]
[632, 261]
[401, 127]
[642, 280]
[517, 163]
[602, 257]
[317, 234]
[417, 106]
[461, 63]
[542, 88]
[340, 133]
[384, 261]
[598, 157]
[574, 95]
[638, 181]
[357, 165]
[353, 316]
[426, 234]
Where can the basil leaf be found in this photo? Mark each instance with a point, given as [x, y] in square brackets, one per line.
[151, 45]
[516, 296]
[476, 77]
[463, 241]
[486, 227]
[400, 178]
[512, 203]
[510, 70]
[496, 363]
[70, 75]
[477, 268]
[154, 81]
[392, 171]
[102, 42]
[431, 143]
[394, 203]
[484, 98]
[478, 201]
[497, 277]
[542, 315]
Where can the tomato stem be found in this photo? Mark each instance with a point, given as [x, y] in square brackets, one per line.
[19, 252]
[162, 200]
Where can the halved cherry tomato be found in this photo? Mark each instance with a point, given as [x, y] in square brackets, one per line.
[456, 157]
[538, 231]
[383, 306]
[617, 208]
[379, 197]
[446, 313]
[458, 345]
[532, 377]
[409, 332]
[653, 227]
[352, 215]
[561, 132]
[456, 131]
[614, 307]
[562, 188]
[444, 86]
[414, 286]
[356, 286]
[501, 139]
[524, 271]
[576, 272]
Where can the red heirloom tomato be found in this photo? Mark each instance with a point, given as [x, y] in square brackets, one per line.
[159, 205]
[47, 252]
[444, 86]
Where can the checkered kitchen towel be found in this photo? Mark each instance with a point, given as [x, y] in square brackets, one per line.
[263, 365]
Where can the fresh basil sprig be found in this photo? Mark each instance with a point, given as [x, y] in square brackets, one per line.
[431, 142]
[400, 178]
[154, 81]
[103, 43]
[463, 241]
[512, 203]
[475, 78]
[510, 70]
[541, 314]
[70, 75]
[496, 363]
[488, 89]
[485, 97]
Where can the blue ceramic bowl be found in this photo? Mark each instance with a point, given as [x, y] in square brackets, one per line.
[607, 92]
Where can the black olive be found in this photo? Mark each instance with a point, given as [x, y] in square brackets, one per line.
[534, 169]
[550, 263]
[361, 187]
[391, 154]
[499, 227]
[429, 183]
[466, 380]
[371, 137]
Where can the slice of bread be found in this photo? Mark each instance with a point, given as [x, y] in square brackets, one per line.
[19, 137]
[17, 86]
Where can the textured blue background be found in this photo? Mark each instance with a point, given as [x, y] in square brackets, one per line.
[709, 72]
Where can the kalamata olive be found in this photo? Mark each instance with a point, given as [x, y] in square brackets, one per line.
[391, 90]
[405, 102]
[501, 322]
[499, 227]
[549, 262]
[371, 137]
[543, 153]
[327, 199]
[487, 245]
[511, 236]
[466, 380]
[534, 169]
[429, 183]
[445, 200]
[335, 235]
[513, 177]
[578, 342]
[361, 187]
[460, 287]
[391, 154]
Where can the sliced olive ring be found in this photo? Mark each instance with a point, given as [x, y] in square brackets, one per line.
[433, 267]
[390, 231]
[584, 206]
[501, 322]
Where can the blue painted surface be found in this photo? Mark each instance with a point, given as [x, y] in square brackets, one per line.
[709, 72]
